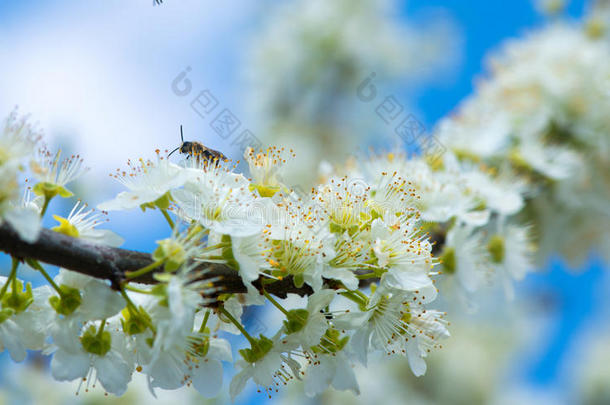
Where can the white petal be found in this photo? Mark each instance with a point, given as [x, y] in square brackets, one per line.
[416, 361]
[379, 230]
[207, 378]
[248, 266]
[238, 227]
[266, 368]
[103, 236]
[345, 379]
[65, 333]
[406, 279]
[234, 307]
[34, 329]
[238, 383]
[220, 349]
[25, 221]
[126, 200]
[319, 377]
[313, 277]
[360, 344]
[320, 300]
[427, 293]
[10, 338]
[113, 372]
[314, 330]
[352, 320]
[475, 218]
[73, 279]
[100, 301]
[346, 276]
[68, 366]
[253, 296]
[166, 371]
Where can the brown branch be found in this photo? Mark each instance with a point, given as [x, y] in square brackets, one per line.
[112, 263]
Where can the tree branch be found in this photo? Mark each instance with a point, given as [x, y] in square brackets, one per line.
[112, 263]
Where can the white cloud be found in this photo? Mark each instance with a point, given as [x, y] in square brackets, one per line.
[98, 74]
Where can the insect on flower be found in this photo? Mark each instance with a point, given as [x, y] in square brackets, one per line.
[197, 150]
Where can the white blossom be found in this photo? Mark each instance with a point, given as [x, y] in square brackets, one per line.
[82, 224]
[147, 182]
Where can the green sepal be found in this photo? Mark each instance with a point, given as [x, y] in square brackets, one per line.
[171, 252]
[162, 202]
[336, 228]
[68, 302]
[96, 343]
[6, 313]
[50, 190]
[295, 320]
[258, 349]
[18, 300]
[160, 290]
[331, 342]
[352, 230]
[298, 280]
[135, 321]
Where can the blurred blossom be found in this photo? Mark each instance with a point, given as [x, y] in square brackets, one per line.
[542, 111]
[30, 384]
[467, 370]
[594, 368]
[310, 59]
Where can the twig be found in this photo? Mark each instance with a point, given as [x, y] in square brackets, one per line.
[112, 263]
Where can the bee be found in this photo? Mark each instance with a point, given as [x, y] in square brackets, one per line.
[197, 150]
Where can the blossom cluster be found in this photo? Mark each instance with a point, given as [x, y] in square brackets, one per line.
[541, 113]
[330, 242]
[363, 247]
[537, 123]
[470, 212]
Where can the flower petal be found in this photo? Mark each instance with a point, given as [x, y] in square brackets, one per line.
[207, 378]
[67, 366]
